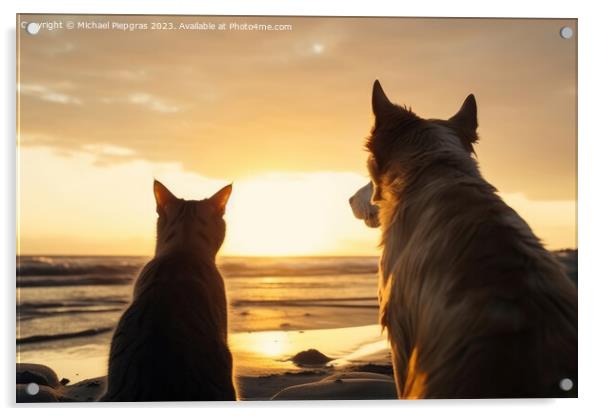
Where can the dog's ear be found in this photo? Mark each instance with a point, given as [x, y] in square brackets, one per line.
[381, 106]
[466, 117]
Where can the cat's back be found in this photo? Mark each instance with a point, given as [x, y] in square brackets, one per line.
[171, 343]
[168, 278]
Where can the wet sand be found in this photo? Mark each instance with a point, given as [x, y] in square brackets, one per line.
[357, 366]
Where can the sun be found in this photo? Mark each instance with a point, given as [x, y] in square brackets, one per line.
[292, 214]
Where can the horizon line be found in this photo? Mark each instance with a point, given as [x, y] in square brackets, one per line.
[239, 255]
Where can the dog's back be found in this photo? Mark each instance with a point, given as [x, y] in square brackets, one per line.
[474, 305]
[492, 312]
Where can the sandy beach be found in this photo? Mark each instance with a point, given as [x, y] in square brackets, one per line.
[301, 328]
[284, 312]
[278, 365]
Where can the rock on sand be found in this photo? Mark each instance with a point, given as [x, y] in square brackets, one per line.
[310, 357]
[41, 376]
[343, 386]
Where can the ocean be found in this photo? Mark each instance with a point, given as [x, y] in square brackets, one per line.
[63, 297]
[67, 307]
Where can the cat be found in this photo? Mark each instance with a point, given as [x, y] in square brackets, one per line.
[171, 344]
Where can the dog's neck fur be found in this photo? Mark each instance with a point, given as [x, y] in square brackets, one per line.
[437, 169]
[413, 197]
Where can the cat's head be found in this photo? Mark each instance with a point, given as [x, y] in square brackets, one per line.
[184, 225]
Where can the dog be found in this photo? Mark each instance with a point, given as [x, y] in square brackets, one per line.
[473, 304]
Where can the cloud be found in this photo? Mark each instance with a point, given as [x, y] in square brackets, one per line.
[153, 103]
[124, 74]
[299, 100]
[49, 94]
[145, 100]
[108, 150]
[59, 49]
[106, 155]
[95, 209]
[553, 221]
[111, 210]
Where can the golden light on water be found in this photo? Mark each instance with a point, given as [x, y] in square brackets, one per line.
[269, 344]
[255, 352]
[274, 349]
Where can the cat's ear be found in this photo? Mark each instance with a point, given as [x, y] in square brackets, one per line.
[162, 196]
[220, 199]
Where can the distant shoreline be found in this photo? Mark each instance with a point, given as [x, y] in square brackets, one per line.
[237, 256]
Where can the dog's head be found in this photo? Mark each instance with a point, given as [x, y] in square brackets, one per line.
[403, 146]
[362, 207]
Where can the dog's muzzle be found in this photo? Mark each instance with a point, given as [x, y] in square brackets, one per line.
[362, 207]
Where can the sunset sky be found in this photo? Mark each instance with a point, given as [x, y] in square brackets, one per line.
[283, 115]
